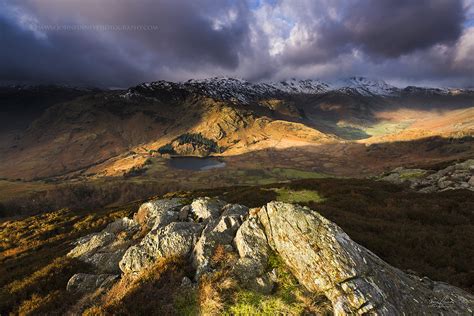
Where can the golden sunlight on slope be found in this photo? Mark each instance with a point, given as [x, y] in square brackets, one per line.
[416, 124]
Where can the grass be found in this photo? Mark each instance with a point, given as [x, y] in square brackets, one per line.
[220, 294]
[156, 289]
[294, 174]
[351, 131]
[26, 198]
[33, 267]
[412, 175]
[387, 127]
[252, 303]
[301, 196]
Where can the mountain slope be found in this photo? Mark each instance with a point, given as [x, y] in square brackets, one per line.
[79, 134]
[97, 130]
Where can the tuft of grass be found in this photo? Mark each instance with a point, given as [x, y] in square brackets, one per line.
[252, 303]
[289, 298]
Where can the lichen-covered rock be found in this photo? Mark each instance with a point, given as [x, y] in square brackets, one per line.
[104, 250]
[90, 243]
[324, 259]
[107, 261]
[122, 225]
[253, 249]
[86, 283]
[158, 213]
[174, 240]
[251, 241]
[184, 213]
[207, 208]
[220, 231]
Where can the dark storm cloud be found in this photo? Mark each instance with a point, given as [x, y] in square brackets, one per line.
[395, 27]
[423, 40]
[185, 34]
[26, 57]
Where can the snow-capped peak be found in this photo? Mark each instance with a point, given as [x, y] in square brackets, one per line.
[365, 86]
[293, 86]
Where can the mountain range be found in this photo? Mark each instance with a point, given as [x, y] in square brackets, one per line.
[238, 90]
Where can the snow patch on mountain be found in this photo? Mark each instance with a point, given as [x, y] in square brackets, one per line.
[365, 87]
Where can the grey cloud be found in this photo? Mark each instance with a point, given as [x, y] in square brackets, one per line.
[390, 39]
[380, 28]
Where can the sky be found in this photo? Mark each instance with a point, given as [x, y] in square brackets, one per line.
[119, 43]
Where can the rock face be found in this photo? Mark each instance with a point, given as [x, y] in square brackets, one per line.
[173, 240]
[454, 177]
[324, 259]
[206, 208]
[219, 231]
[254, 252]
[104, 250]
[83, 283]
[158, 212]
[318, 253]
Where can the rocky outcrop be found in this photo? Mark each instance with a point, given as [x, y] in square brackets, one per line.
[324, 259]
[319, 254]
[454, 177]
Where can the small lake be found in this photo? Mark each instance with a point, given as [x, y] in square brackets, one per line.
[196, 163]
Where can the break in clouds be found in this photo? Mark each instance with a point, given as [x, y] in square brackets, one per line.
[124, 42]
